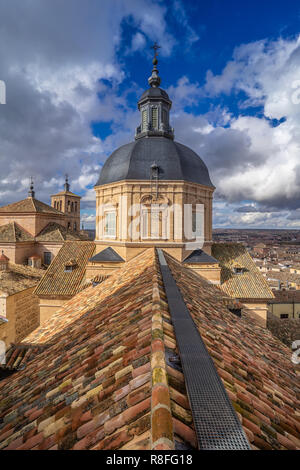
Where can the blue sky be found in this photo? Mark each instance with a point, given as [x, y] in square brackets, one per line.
[74, 71]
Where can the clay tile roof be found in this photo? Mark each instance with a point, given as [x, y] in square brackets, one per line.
[17, 278]
[58, 282]
[250, 284]
[94, 281]
[18, 356]
[254, 366]
[109, 255]
[104, 380]
[54, 232]
[12, 232]
[29, 205]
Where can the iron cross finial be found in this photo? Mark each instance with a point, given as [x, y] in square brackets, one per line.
[155, 47]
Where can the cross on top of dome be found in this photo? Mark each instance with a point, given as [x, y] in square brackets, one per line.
[154, 80]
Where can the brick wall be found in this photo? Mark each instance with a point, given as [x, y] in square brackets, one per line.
[22, 313]
[27, 317]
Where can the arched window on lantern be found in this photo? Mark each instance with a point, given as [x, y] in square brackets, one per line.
[155, 117]
[144, 120]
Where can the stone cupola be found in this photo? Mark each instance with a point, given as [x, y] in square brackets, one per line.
[154, 106]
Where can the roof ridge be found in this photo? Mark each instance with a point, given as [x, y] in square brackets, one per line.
[33, 203]
[215, 420]
[257, 271]
[59, 228]
[14, 230]
[162, 432]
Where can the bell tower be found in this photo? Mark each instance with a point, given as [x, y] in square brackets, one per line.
[68, 203]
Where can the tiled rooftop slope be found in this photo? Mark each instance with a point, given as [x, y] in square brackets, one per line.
[104, 380]
[29, 204]
[255, 367]
[250, 283]
[58, 282]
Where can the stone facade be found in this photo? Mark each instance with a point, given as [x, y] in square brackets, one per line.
[134, 230]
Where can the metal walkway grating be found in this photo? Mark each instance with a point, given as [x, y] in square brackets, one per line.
[216, 423]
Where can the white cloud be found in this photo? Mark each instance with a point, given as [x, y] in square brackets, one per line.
[249, 157]
[52, 56]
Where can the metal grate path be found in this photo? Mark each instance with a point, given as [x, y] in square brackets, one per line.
[216, 423]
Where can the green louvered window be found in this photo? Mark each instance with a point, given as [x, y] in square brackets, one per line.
[165, 117]
[155, 118]
[144, 120]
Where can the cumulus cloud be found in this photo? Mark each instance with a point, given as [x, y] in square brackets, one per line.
[251, 156]
[56, 59]
[60, 64]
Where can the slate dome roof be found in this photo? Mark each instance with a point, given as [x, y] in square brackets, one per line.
[154, 92]
[133, 161]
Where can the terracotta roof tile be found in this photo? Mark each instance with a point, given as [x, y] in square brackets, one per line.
[103, 364]
[58, 282]
[250, 284]
[29, 205]
[107, 379]
[57, 233]
[17, 278]
[12, 232]
[255, 367]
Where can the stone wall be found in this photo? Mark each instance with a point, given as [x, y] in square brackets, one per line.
[22, 313]
[286, 329]
[27, 315]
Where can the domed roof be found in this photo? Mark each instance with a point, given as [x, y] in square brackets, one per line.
[175, 161]
[154, 93]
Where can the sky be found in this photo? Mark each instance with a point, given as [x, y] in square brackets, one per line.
[74, 70]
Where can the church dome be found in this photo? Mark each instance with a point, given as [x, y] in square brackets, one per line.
[175, 161]
[154, 147]
[155, 93]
